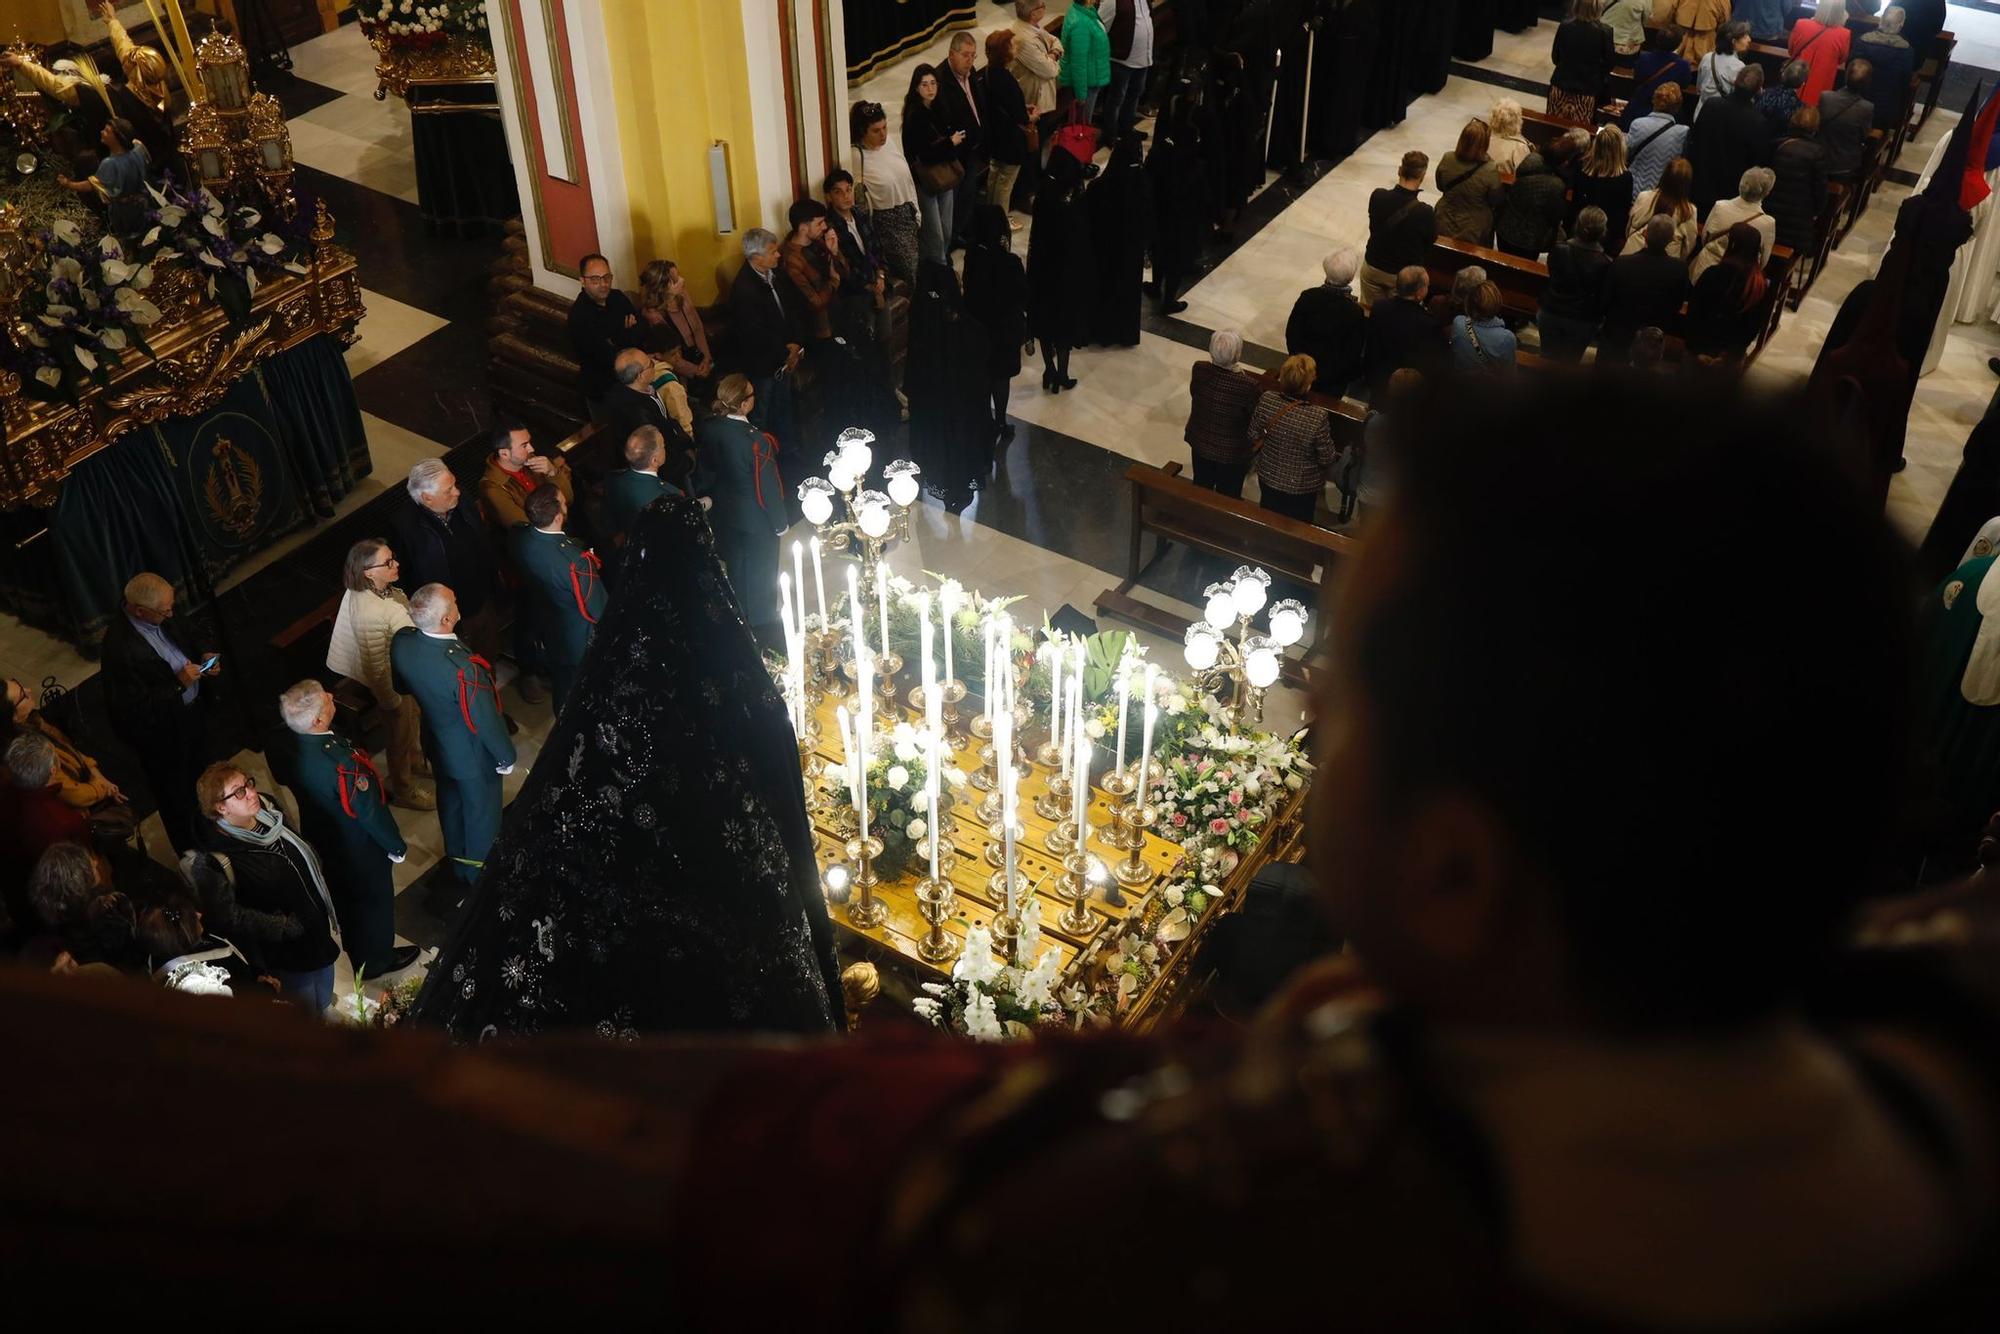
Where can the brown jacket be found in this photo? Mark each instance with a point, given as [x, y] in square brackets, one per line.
[503, 494]
[816, 278]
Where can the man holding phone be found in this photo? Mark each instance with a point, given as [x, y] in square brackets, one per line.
[153, 690]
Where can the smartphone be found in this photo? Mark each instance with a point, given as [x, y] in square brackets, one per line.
[209, 665]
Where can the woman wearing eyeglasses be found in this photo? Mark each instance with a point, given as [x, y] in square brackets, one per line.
[371, 613]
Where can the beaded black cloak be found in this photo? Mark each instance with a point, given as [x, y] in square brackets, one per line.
[656, 873]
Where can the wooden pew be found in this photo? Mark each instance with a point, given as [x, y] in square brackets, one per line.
[1931, 72]
[1174, 509]
[1520, 280]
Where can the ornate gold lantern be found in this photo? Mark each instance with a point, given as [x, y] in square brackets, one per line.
[224, 72]
[208, 147]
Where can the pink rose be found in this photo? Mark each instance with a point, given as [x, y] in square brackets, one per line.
[1236, 797]
[1218, 826]
[1180, 818]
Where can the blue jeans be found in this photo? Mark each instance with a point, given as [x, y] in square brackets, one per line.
[935, 238]
[310, 991]
[1121, 99]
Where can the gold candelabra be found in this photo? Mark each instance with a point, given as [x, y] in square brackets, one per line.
[1249, 663]
[873, 518]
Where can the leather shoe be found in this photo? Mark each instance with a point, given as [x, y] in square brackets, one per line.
[399, 958]
[416, 796]
[528, 690]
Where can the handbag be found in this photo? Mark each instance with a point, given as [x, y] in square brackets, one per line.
[1078, 138]
[938, 178]
[1257, 441]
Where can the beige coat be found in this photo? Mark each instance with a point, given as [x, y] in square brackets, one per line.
[361, 633]
[1687, 230]
[1699, 20]
[1037, 65]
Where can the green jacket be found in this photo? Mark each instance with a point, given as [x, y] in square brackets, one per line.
[561, 588]
[464, 730]
[626, 492]
[1086, 57]
[335, 778]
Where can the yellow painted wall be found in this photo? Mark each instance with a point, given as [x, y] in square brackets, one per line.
[680, 81]
[37, 20]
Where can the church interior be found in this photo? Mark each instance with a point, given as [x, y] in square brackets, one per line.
[624, 558]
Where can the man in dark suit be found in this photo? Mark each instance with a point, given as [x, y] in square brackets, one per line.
[350, 829]
[766, 331]
[640, 482]
[1328, 324]
[441, 539]
[1645, 289]
[1401, 333]
[153, 691]
[601, 323]
[465, 733]
[961, 98]
[635, 402]
[1730, 137]
[562, 585]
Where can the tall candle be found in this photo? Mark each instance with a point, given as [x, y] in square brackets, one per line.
[882, 597]
[791, 648]
[1055, 693]
[1124, 698]
[1146, 734]
[847, 754]
[1080, 780]
[854, 623]
[1075, 704]
[799, 579]
[949, 608]
[986, 676]
[819, 584]
[933, 714]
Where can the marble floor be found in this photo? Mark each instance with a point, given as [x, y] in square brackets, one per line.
[1052, 524]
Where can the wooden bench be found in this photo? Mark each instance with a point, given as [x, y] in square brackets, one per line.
[1174, 509]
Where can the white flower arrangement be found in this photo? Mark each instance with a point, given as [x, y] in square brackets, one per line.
[990, 1001]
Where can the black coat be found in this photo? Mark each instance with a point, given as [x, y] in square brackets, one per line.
[1795, 201]
[1613, 194]
[1062, 271]
[271, 911]
[624, 411]
[1583, 53]
[927, 136]
[139, 688]
[597, 334]
[1329, 326]
[1642, 290]
[996, 295]
[1401, 335]
[455, 551]
[1889, 85]
[1730, 137]
[1844, 123]
[1577, 275]
[1121, 224]
[1007, 116]
[761, 326]
[955, 114]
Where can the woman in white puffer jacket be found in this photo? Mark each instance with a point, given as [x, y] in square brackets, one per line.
[370, 614]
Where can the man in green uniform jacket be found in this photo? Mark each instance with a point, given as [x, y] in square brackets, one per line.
[561, 587]
[351, 829]
[638, 484]
[465, 734]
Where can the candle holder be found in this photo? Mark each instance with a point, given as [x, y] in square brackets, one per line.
[949, 694]
[821, 663]
[1054, 801]
[981, 727]
[1049, 754]
[1133, 872]
[986, 776]
[1061, 838]
[811, 768]
[1082, 869]
[996, 834]
[1118, 785]
[934, 904]
[886, 666]
[865, 911]
[1006, 926]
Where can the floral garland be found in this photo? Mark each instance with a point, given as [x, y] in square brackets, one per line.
[421, 26]
[234, 247]
[898, 799]
[88, 313]
[990, 1001]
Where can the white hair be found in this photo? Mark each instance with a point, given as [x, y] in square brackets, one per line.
[1505, 117]
[1225, 347]
[427, 606]
[427, 478]
[299, 706]
[755, 240]
[1341, 266]
[1756, 183]
[1832, 13]
[148, 590]
[1892, 20]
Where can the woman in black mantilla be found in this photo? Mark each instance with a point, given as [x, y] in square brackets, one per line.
[945, 378]
[1121, 226]
[657, 872]
[1062, 279]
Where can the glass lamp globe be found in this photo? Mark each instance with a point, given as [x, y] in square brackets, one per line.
[839, 883]
[1219, 605]
[1200, 647]
[871, 510]
[1249, 587]
[856, 455]
[1260, 661]
[816, 500]
[1288, 622]
[902, 475]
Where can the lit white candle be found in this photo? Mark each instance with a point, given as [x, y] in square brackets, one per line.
[949, 607]
[882, 597]
[1146, 733]
[1075, 709]
[1055, 693]
[934, 737]
[847, 754]
[791, 649]
[1124, 698]
[986, 677]
[819, 583]
[855, 625]
[1080, 779]
[799, 579]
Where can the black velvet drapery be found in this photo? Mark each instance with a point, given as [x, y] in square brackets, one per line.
[189, 497]
[465, 179]
[881, 32]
